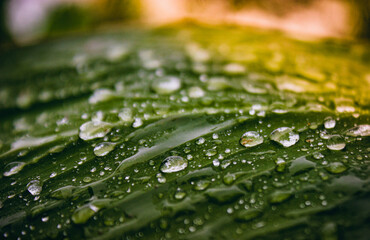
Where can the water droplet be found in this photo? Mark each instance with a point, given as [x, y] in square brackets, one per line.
[84, 213]
[173, 164]
[247, 215]
[34, 187]
[251, 139]
[336, 143]
[103, 148]
[101, 95]
[285, 136]
[359, 131]
[336, 167]
[200, 141]
[13, 168]
[137, 123]
[279, 196]
[94, 129]
[224, 195]
[216, 163]
[201, 185]
[229, 178]
[45, 219]
[166, 85]
[180, 195]
[318, 155]
[280, 165]
[126, 115]
[211, 152]
[196, 92]
[217, 83]
[329, 123]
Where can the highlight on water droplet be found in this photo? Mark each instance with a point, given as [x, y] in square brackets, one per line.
[251, 139]
[329, 123]
[285, 136]
[173, 164]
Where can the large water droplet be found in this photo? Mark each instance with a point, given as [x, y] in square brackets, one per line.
[336, 143]
[336, 167]
[359, 131]
[166, 85]
[173, 164]
[285, 136]
[103, 148]
[94, 129]
[329, 123]
[251, 139]
[34, 187]
[13, 168]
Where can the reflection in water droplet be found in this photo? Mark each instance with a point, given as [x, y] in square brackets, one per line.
[285, 136]
[336, 167]
[34, 187]
[336, 143]
[173, 164]
[329, 123]
[13, 168]
[166, 85]
[359, 131]
[103, 148]
[251, 139]
[94, 129]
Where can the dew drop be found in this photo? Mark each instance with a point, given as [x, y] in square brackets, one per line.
[137, 123]
[180, 195]
[279, 196]
[94, 129]
[336, 143]
[211, 152]
[336, 167]
[103, 148]
[166, 85]
[200, 141]
[359, 131]
[196, 92]
[34, 187]
[247, 215]
[201, 185]
[13, 168]
[251, 139]
[280, 165]
[285, 136]
[173, 164]
[329, 123]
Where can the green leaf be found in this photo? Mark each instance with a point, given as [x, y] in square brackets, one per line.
[185, 132]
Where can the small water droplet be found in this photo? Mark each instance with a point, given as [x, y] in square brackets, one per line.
[216, 163]
[34, 187]
[94, 129]
[166, 85]
[329, 123]
[101, 95]
[251, 139]
[103, 148]
[248, 214]
[45, 219]
[201, 185]
[318, 155]
[180, 195]
[336, 143]
[173, 164]
[336, 167]
[196, 92]
[285, 136]
[280, 165]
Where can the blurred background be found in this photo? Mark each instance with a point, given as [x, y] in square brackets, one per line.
[24, 22]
